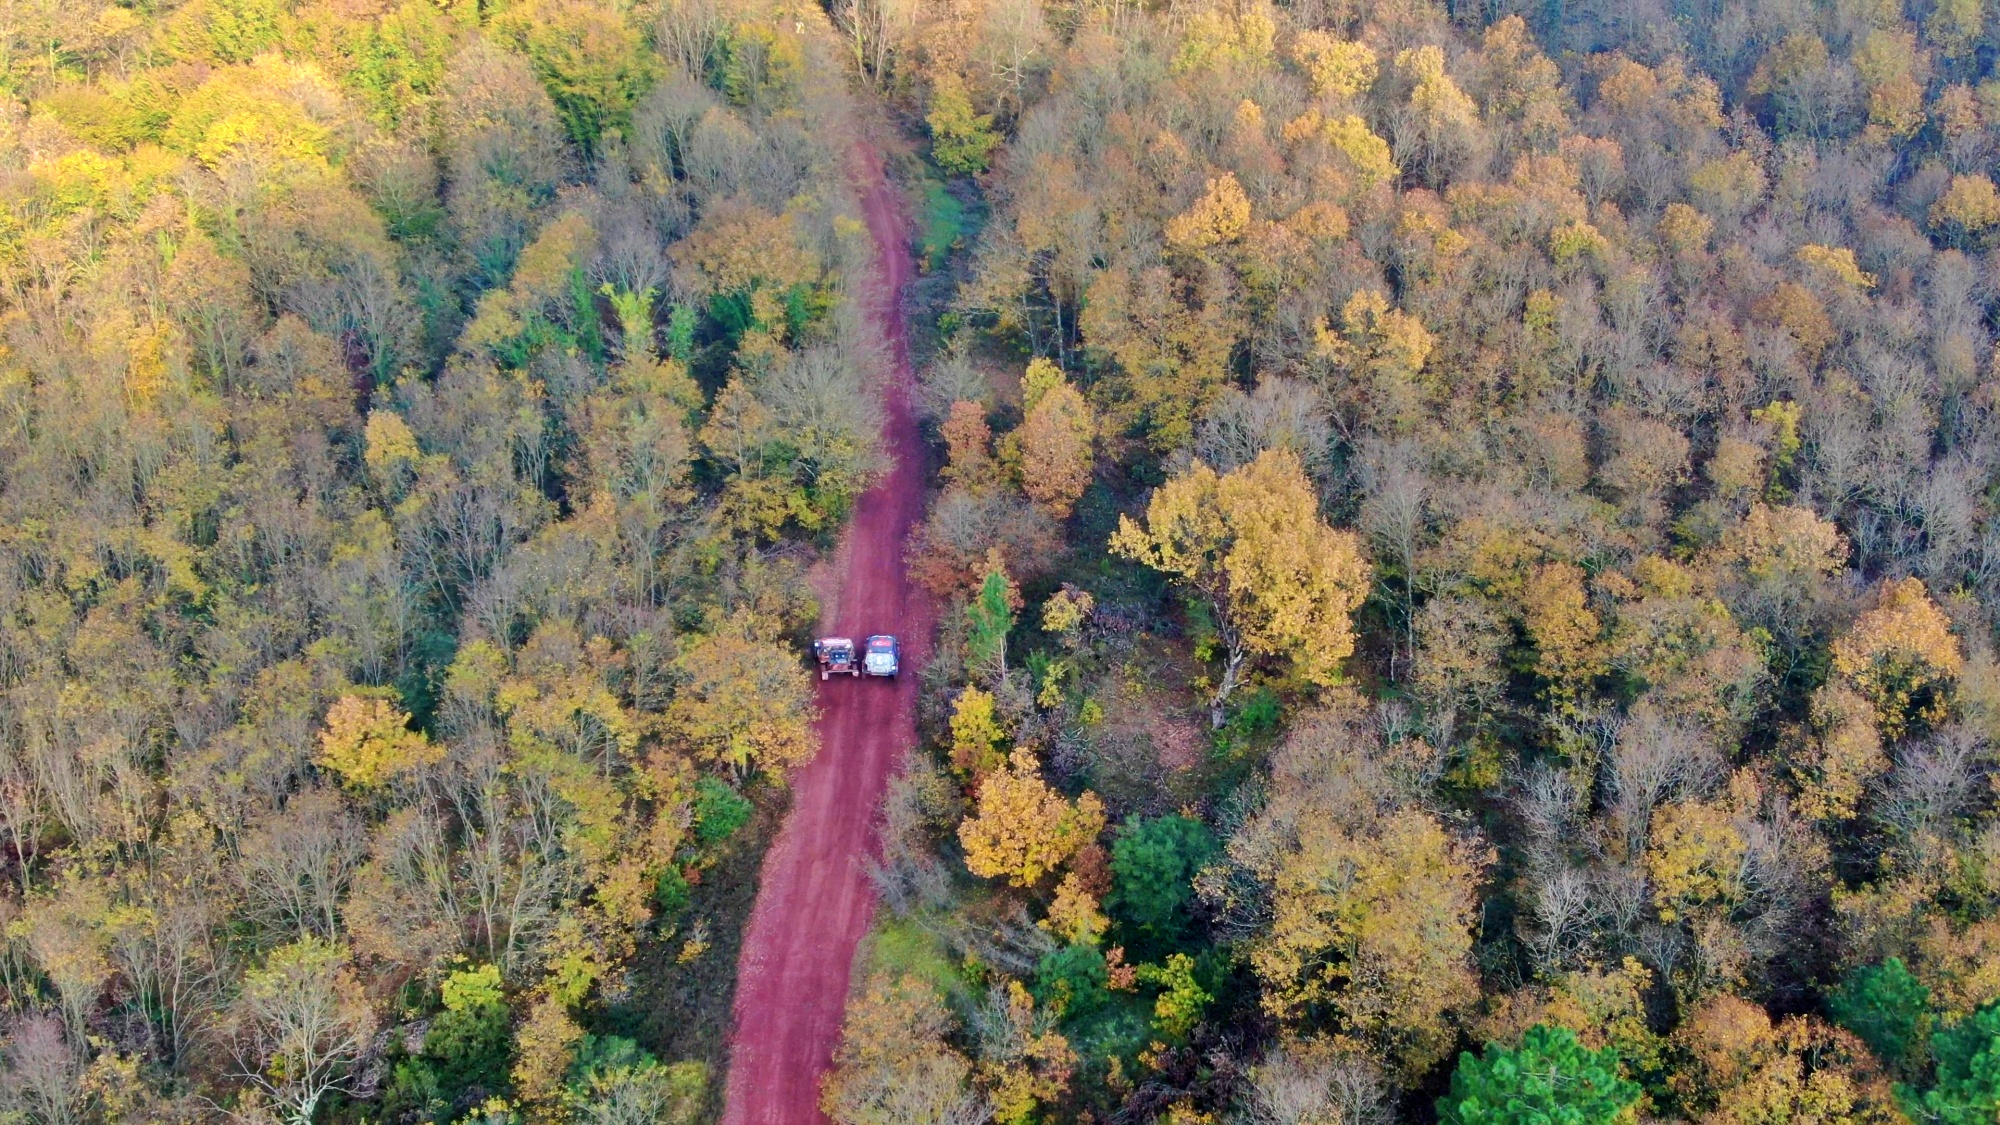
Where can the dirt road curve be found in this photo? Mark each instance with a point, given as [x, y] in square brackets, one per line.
[814, 902]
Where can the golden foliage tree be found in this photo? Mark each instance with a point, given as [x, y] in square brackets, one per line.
[1036, 1063]
[1556, 611]
[968, 444]
[1386, 349]
[1969, 208]
[1375, 927]
[1694, 858]
[1221, 215]
[893, 1066]
[745, 703]
[1902, 656]
[976, 736]
[1840, 756]
[368, 742]
[1745, 1070]
[1785, 546]
[1251, 543]
[1022, 829]
[1336, 68]
[961, 139]
[302, 1022]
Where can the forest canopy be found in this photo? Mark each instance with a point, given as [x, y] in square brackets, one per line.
[1466, 541]
[1528, 630]
[419, 419]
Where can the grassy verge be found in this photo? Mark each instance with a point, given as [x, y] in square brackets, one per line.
[682, 1011]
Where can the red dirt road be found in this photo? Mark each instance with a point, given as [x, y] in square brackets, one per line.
[815, 901]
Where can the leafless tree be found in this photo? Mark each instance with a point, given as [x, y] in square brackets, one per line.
[688, 32]
[1655, 759]
[951, 378]
[43, 1078]
[910, 875]
[295, 864]
[172, 954]
[512, 860]
[1314, 1087]
[1932, 783]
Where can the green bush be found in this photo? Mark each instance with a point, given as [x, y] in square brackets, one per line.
[1153, 864]
[1073, 981]
[1886, 1006]
[1182, 999]
[1550, 1079]
[718, 810]
[614, 1081]
[468, 1044]
[1256, 712]
[413, 1091]
[671, 893]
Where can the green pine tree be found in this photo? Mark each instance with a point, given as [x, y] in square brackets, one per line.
[1550, 1079]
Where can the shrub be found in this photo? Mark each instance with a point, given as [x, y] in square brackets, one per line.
[1073, 981]
[718, 810]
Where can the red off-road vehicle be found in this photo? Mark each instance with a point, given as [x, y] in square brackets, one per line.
[835, 656]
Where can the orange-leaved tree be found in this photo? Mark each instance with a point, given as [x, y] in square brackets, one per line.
[1054, 440]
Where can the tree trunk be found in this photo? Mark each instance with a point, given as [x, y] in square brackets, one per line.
[1227, 688]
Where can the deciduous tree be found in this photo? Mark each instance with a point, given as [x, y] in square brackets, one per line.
[300, 1025]
[1279, 581]
[744, 703]
[1021, 830]
[1056, 440]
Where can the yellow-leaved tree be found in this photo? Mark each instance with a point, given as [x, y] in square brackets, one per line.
[1968, 210]
[1902, 657]
[1219, 216]
[1384, 349]
[1556, 612]
[746, 703]
[1251, 543]
[1694, 859]
[369, 743]
[1335, 67]
[976, 736]
[1022, 829]
[1374, 925]
[1372, 901]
